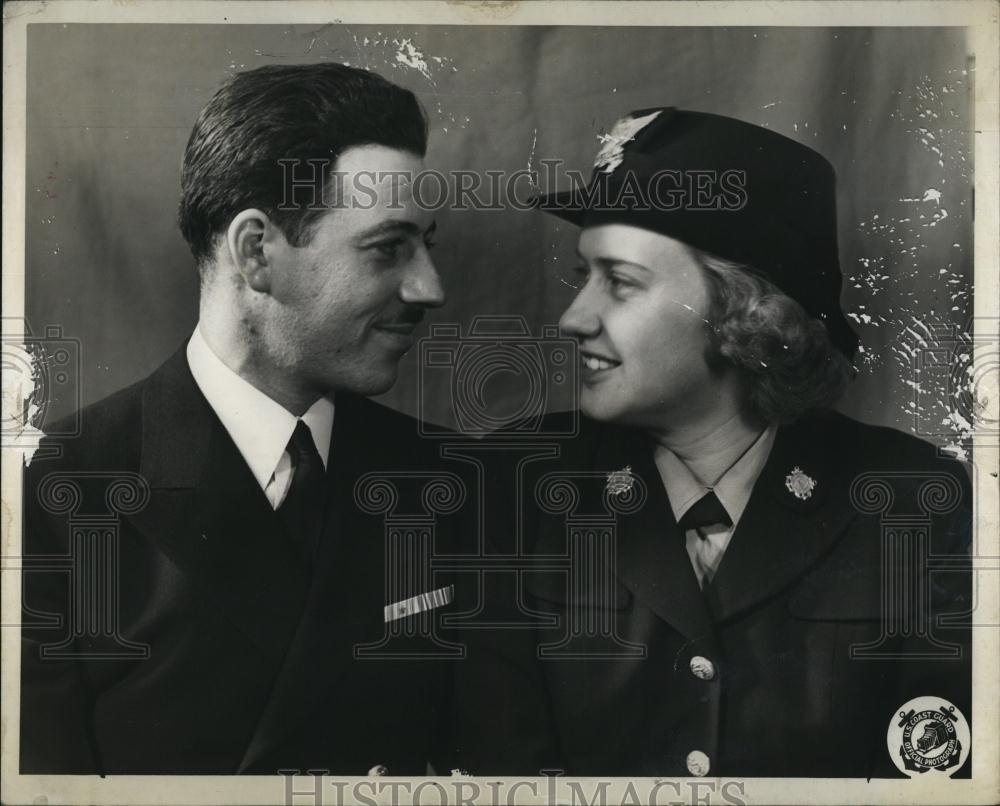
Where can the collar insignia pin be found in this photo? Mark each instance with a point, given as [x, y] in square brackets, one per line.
[799, 484]
[613, 144]
[620, 481]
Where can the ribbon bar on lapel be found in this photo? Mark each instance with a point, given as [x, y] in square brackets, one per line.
[419, 603]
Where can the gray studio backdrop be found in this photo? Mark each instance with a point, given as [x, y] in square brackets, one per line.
[110, 108]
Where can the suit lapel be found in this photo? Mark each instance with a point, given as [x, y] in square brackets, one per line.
[652, 560]
[209, 516]
[782, 534]
[345, 603]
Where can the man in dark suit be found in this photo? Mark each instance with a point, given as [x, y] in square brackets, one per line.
[744, 583]
[210, 588]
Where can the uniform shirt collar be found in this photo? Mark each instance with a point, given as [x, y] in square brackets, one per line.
[260, 427]
[733, 489]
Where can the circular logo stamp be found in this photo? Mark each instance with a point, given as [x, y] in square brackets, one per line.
[928, 734]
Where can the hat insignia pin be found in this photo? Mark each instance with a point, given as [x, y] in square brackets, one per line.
[620, 481]
[613, 144]
[799, 484]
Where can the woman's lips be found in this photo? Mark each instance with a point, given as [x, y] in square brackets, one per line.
[595, 365]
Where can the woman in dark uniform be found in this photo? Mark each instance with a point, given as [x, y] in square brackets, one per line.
[730, 545]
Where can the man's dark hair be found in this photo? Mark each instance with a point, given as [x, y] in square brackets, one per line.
[284, 112]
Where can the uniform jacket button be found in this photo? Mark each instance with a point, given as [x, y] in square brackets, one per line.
[379, 770]
[702, 668]
[698, 763]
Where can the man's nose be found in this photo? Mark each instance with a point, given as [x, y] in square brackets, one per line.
[581, 320]
[422, 283]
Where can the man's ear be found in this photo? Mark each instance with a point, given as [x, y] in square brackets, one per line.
[245, 239]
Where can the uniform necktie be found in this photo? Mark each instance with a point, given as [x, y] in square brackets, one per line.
[707, 546]
[705, 552]
[706, 511]
[303, 508]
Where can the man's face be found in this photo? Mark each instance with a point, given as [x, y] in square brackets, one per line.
[345, 305]
[640, 319]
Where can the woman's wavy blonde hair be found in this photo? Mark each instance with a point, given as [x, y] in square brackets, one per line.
[790, 365]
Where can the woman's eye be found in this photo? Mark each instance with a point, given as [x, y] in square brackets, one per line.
[620, 284]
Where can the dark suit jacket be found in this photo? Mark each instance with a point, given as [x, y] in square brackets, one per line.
[801, 583]
[250, 666]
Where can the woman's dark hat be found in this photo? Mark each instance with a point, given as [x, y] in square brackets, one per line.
[729, 188]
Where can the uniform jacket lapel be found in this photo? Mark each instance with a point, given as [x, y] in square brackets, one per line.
[652, 560]
[344, 608]
[782, 534]
[209, 516]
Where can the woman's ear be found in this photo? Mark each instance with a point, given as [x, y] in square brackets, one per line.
[245, 238]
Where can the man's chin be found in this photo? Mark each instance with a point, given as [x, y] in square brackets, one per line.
[374, 383]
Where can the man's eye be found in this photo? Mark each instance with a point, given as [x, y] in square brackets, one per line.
[388, 249]
[430, 243]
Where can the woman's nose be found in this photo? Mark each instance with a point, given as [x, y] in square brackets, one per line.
[580, 320]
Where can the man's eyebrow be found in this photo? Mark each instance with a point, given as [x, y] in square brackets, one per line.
[394, 226]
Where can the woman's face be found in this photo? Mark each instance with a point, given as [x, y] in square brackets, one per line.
[640, 318]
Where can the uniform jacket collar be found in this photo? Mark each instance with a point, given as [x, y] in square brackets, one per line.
[782, 534]
[777, 539]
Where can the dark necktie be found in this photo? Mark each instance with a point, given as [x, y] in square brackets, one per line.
[303, 508]
[706, 511]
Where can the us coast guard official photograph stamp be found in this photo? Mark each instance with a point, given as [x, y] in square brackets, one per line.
[500, 403]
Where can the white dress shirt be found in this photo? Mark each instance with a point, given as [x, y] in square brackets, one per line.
[707, 547]
[260, 427]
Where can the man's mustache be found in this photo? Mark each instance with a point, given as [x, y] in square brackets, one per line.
[408, 316]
